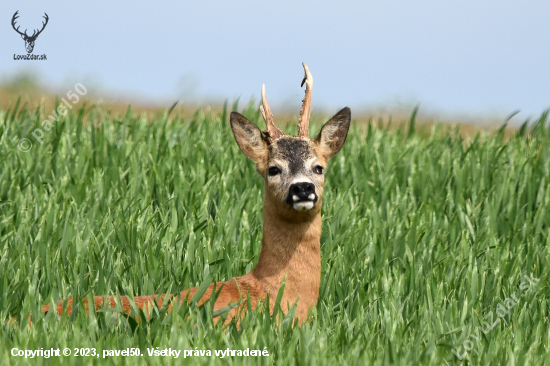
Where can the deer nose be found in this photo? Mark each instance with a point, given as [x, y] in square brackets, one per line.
[302, 192]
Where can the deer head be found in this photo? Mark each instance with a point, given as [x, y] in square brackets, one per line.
[293, 167]
[29, 40]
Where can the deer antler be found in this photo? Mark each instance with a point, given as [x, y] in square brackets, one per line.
[43, 26]
[15, 16]
[303, 124]
[272, 133]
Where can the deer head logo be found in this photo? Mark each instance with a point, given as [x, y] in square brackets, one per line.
[29, 40]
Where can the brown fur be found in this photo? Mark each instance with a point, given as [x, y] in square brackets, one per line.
[291, 239]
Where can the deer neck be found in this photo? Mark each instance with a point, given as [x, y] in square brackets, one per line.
[291, 249]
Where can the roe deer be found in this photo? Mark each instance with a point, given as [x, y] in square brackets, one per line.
[293, 170]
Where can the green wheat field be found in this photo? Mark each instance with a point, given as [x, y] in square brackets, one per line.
[427, 238]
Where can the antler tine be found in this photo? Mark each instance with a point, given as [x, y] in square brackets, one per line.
[272, 132]
[43, 24]
[15, 16]
[303, 124]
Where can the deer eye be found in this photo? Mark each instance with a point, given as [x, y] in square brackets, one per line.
[318, 169]
[273, 171]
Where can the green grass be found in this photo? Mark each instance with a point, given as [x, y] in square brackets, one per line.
[422, 238]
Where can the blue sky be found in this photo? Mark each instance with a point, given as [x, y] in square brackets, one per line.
[451, 56]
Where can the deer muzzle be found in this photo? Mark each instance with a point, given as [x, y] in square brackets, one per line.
[302, 196]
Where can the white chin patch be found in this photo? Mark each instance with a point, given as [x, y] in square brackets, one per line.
[303, 206]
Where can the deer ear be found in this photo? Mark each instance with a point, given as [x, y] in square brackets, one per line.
[249, 138]
[23, 36]
[333, 134]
